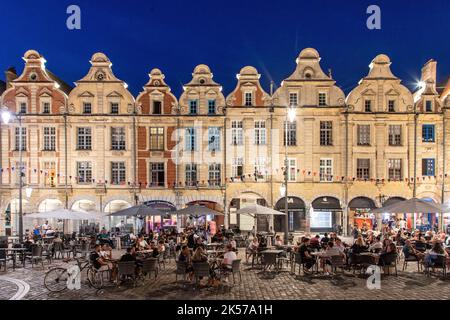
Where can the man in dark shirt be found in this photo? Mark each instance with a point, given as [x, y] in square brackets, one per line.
[129, 255]
[305, 254]
[324, 240]
[96, 259]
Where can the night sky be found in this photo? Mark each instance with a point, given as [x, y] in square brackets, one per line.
[175, 36]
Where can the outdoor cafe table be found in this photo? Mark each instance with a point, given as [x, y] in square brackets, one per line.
[14, 252]
[214, 245]
[275, 252]
[319, 255]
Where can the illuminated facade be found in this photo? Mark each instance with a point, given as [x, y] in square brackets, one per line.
[97, 148]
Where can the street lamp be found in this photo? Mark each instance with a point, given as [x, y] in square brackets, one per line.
[290, 117]
[6, 117]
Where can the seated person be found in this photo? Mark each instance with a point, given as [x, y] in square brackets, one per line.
[391, 249]
[141, 244]
[324, 240]
[431, 255]
[315, 242]
[305, 254]
[233, 243]
[330, 251]
[154, 248]
[100, 264]
[185, 256]
[199, 255]
[376, 246]
[106, 252]
[359, 246]
[228, 257]
[49, 232]
[130, 255]
[278, 241]
[161, 246]
[408, 250]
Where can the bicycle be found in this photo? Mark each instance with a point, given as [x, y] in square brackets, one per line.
[55, 279]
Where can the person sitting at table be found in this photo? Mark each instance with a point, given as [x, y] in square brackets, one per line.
[339, 245]
[278, 241]
[386, 243]
[391, 249]
[161, 246]
[185, 256]
[314, 243]
[106, 252]
[154, 249]
[431, 255]
[408, 250]
[101, 264]
[359, 246]
[49, 232]
[141, 244]
[233, 243]
[228, 259]
[376, 246]
[330, 251]
[129, 255]
[305, 254]
[199, 255]
[324, 240]
[262, 244]
[251, 249]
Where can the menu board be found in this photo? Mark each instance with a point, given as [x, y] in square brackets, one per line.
[321, 219]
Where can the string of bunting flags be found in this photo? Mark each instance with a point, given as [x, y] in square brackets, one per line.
[244, 177]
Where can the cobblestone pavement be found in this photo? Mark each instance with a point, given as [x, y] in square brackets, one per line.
[255, 285]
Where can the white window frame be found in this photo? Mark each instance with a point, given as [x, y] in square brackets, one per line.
[292, 173]
[86, 137]
[325, 103]
[49, 138]
[214, 132]
[247, 102]
[118, 173]
[326, 169]
[237, 134]
[237, 162]
[260, 132]
[118, 139]
[293, 99]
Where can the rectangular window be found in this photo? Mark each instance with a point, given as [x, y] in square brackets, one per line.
[214, 174]
[157, 109]
[49, 138]
[363, 168]
[191, 139]
[237, 136]
[260, 132]
[428, 167]
[237, 168]
[23, 107]
[428, 133]
[114, 108]
[84, 139]
[191, 174]
[291, 133]
[87, 108]
[193, 106]
[292, 170]
[363, 135]
[326, 133]
[49, 170]
[322, 99]
[395, 169]
[118, 138]
[21, 144]
[156, 139]
[368, 105]
[84, 172]
[391, 106]
[428, 106]
[213, 138]
[46, 107]
[118, 175]
[248, 99]
[211, 106]
[293, 99]
[395, 135]
[326, 170]
[157, 174]
[260, 168]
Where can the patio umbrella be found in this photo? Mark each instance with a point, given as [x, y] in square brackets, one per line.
[197, 211]
[254, 210]
[140, 210]
[65, 214]
[412, 205]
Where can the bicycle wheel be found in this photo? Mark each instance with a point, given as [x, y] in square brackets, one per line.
[55, 280]
[94, 278]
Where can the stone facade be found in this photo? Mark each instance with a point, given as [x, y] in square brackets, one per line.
[344, 153]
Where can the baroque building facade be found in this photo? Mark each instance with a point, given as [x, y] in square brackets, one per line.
[95, 147]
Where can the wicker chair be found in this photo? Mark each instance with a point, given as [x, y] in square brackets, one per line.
[201, 269]
[127, 270]
[150, 265]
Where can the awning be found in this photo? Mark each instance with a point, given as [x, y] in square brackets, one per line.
[330, 203]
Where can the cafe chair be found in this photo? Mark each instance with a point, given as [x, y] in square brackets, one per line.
[236, 269]
[298, 260]
[269, 260]
[150, 265]
[36, 255]
[389, 260]
[337, 261]
[439, 263]
[180, 270]
[126, 270]
[4, 258]
[201, 269]
[411, 258]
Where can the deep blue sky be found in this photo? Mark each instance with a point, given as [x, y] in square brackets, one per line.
[176, 35]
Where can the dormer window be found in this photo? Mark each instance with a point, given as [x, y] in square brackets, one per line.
[391, 106]
[87, 108]
[114, 108]
[23, 107]
[322, 99]
[248, 99]
[368, 105]
[193, 106]
[428, 106]
[293, 99]
[157, 107]
[46, 107]
[211, 106]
